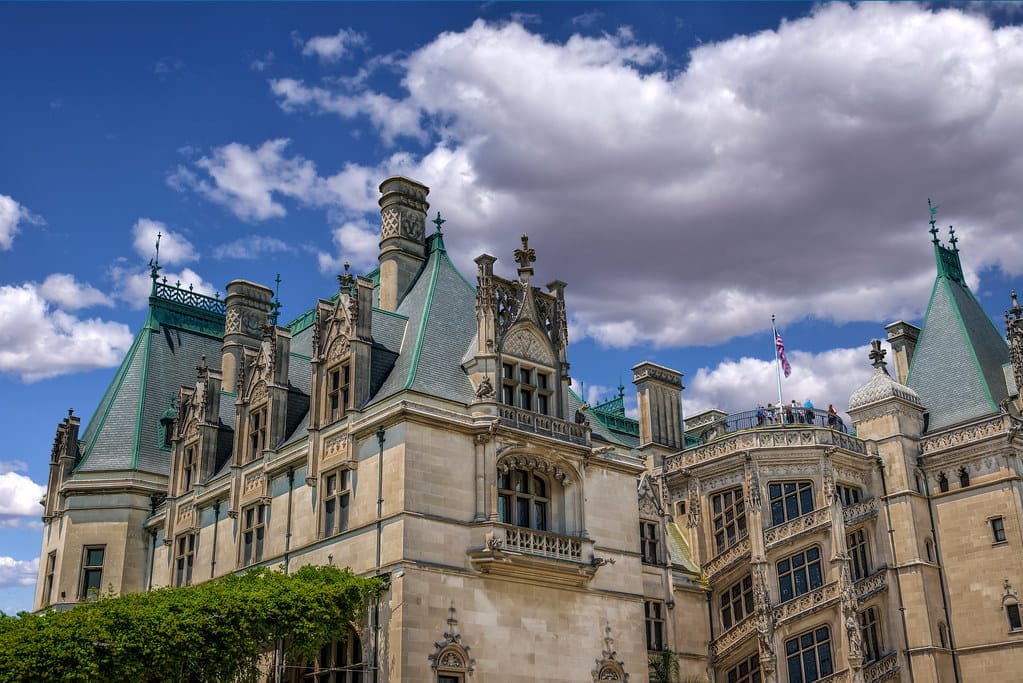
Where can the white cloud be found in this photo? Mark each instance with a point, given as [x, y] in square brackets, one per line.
[12, 214]
[785, 171]
[13, 466]
[174, 247]
[250, 247]
[69, 294]
[19, 496]
[18, 572]
[333, 48]
[736, 386]
[588, 19]
[263, 63]
[356, 243]
[37, 341]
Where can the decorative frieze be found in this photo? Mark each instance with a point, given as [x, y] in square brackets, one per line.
[337, 447]
[807, 523]
[724, 560]
[975, 432]
[765, 438]
[875, 583]
[525, 461]
[807, 603]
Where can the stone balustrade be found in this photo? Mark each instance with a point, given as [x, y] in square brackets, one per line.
[807, 603]
[542, 543]
[875, 583]
[725, 559]
[733, 636]
[775, 436]
[882, 670]
[795, 527]
[859, 511]
[545, 425]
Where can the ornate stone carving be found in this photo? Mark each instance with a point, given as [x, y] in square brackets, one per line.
[485, 390]
[337, 446]
[450, 653]
[609, 667]
[258, 393]
[339, 348]
[807, 523]
[734, 636]
[996, 426]
[693, 505]
[858, 511]
[806, 603]
[524, 344]
[534, 463]
[390, 223]
[882, 670]
[726, 559]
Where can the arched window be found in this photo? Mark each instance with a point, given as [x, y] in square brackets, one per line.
[870, 628]
[808, 656]
[964, 478]
[523, 499]
[942, 482]
[1012, 612]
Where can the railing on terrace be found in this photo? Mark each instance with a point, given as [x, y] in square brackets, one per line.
[543, 543]
[543, 424]
[799, 416]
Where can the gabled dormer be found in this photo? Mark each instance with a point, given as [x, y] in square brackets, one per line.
[262, 421]
[200, 442]
[520, 359]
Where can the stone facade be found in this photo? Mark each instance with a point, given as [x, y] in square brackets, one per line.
[418, 427]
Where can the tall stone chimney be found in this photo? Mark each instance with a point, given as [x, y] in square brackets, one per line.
[902, 336]
[659, 395]
[403, 208]
[248, 307]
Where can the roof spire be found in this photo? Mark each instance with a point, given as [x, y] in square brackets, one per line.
[154, 263]
[275, 305]
[438, 221]
[877, 355]
[933, 210]
[345, 281]
[952, 239]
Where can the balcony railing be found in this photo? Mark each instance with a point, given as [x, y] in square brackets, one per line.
[811, 521]
[543, 424]
[542, 543]
[783, 436]
[882, 670]
[809, 417]
[807, 603]
[875, 583]
[727, 557]
[733, 636]
[858, 511]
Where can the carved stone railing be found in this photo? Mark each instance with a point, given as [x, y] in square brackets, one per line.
[883, 669]
[542, 543]
[858, 511]
[730, 556]
[796, 527]
[968, 434]
[875, 583]
[733, 636]
[837, 677]
[807, 603]
[543, 424]
[776, 436]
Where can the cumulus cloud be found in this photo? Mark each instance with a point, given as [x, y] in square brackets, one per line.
[12, 215]
[174, 247]
[18, 572]
[19, 495]
[249, 248]
[69, 294]
[356, 243]
[133, 286]
[766, 176]
[333, 48]
[38, 341]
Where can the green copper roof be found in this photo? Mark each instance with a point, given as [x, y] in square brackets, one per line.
[957, 364]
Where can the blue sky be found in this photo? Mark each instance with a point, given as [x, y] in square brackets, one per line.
[689, 169]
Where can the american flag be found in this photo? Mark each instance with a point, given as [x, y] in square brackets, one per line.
[786, 368]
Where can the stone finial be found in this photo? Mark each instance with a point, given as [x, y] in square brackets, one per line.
[346, 280]
[525, 256]
[877, 354]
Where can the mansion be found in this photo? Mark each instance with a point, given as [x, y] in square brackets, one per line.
[419, 425]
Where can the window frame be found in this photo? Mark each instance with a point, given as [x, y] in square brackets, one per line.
[51, 570]
[782, 500]
[858, 544]
[257, 431]
[736, 602]
[335, 507]
[653, 612]
[89, 568]
[184, 558]
[942, 483]
[746, 671]
[848, 495]
[253, 533]
[791, 589]
[964, 478]
[823, 666]
[510, 500]
[334, 659]
[1012, 612]
[998, 529]
[871, 635]
[337, 391]
[527, 386]
[728, 513]
[650, 541]
[189, 467]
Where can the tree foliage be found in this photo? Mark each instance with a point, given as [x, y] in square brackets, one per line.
[215, 631]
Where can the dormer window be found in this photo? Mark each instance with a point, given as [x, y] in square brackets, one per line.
[189, 469]
[338, 390]
[527, 387]
[257, 432]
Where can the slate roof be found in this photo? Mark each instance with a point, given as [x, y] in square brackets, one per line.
[122, 433]
[678, 549]
[957, 364]
[440, 307]
[608, 420]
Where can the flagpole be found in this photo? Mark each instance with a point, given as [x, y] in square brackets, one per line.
[777, 360]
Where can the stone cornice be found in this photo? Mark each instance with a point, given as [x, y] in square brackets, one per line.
[765, 438]
[963, 435]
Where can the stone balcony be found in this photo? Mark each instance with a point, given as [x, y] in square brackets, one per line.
[883, 669]
[804, 524]
[734, 636]
[875, 583]
[807, 603]
[859, 511]
[727, 558]
[534, 555]
[545, 425]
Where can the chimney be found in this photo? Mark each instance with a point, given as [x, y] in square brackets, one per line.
[659, 395]
[248, 307]
[902, 336]
[403, 208]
